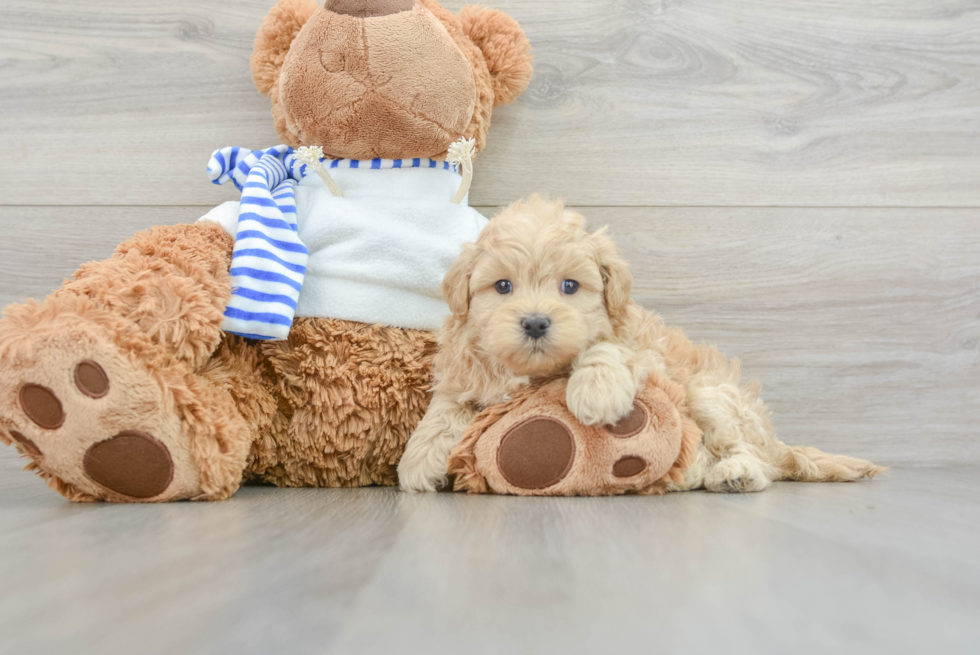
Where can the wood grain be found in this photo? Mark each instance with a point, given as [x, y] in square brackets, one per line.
[796, 182]
[862, 324]
[887, 565]
[634, 102]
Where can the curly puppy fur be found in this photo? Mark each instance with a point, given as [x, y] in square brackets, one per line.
[604, 342]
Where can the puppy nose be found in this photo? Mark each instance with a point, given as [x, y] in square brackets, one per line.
[536, 326]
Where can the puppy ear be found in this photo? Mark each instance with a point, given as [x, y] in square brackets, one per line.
[280, 27]
[616, 278]
[505, 49]
[456, 284]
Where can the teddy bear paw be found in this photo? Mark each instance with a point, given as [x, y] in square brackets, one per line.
[541, 452]
[95, 423]
[545, 450]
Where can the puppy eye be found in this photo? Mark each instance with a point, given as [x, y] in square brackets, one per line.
[503, 287]
[569, 287]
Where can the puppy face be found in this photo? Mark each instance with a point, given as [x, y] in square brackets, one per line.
[537, 289]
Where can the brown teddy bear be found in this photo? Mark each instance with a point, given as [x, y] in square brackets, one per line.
[127, 384]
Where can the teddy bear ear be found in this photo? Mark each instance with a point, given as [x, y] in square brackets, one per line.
[280, 27]
[505, 48]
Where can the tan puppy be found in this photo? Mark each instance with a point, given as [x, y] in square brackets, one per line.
[537, 296]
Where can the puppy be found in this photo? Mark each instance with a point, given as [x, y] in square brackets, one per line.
[538, 296]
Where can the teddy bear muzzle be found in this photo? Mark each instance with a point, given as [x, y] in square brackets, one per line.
[368, 8]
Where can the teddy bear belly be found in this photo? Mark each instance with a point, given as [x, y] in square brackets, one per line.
[349, 395]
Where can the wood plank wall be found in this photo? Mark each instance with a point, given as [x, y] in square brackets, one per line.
[798, 182]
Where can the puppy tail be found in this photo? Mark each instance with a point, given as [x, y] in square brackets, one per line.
[805, 464]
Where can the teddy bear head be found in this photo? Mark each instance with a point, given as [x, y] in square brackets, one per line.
[387, 78]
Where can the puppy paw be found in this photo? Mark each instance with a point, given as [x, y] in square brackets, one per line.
[419, 482]
[736, 474]
[600, 393]
[418, 472]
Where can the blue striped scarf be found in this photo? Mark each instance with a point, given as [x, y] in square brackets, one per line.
[268, 264]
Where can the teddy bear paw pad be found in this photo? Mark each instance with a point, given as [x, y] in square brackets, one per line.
[42, 406]
[536, 454]
[627, 467]
[131, 463]
[91, 379]
[28, 445]
[631, 424]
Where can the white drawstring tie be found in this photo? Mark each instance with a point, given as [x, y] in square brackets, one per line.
[311, 156]
[461, 154]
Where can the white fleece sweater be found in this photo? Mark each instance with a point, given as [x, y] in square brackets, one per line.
[379, 253]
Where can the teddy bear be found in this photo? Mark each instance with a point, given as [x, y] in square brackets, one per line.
[285, 338]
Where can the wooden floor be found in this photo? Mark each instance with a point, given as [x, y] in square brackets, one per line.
[798, 182]
[885, 566]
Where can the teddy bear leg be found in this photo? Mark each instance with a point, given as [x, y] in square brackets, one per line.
[108, 386]
[534, 445]
[350, 395]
